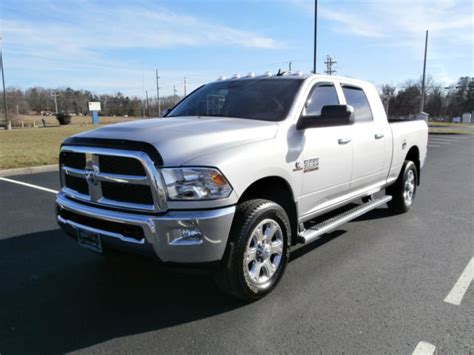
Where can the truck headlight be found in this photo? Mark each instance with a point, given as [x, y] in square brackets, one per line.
[195, 184]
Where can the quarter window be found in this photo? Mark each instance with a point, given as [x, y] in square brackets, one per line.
[321, 95]
[357, 99]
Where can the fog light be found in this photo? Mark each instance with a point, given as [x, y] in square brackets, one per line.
[185, 236]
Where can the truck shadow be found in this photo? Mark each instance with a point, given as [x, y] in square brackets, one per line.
[377, 213]
[56, 297]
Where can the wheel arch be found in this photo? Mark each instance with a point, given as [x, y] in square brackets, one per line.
[278, 190]
[414, 155]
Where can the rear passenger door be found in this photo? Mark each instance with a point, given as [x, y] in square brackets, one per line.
[368, 141]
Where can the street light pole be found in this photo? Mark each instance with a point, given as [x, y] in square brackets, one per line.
[315, 34]
[4, 91]
[423, 89]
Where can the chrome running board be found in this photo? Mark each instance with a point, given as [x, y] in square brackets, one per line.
[316, 231]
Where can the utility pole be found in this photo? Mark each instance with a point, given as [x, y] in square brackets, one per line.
[422, 103]
[4, 91]
[158, 92]
[185, 86]
[329, 63]
[55, 95]
[386, 101]
[174, 93]
[289, 66]
[315, 34]
[147, 110]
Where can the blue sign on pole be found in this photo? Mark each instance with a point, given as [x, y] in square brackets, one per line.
[95, 117]
[94, 108]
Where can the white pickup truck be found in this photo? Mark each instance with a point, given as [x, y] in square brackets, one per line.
[236, 173]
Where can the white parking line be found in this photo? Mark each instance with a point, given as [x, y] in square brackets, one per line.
[439, 142]
[442, 136]
[457, 293]
[453, 140]
[424, 348]
[29, 185]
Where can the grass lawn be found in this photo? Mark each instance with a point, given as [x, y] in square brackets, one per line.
[75, 120]
[452, 125]
[450, 130]
[33, 146]
[40, 146]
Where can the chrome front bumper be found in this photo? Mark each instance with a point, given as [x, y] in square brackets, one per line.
[177, 236]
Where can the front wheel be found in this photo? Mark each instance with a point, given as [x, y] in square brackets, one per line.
[403, 191]
[258, 250]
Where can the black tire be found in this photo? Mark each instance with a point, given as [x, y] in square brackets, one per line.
[400, 202]
[232, 278]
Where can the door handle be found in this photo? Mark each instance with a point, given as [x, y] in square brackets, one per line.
[378, 136]
[343, 140]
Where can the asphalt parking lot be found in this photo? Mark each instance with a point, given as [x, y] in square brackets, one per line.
[380, 284]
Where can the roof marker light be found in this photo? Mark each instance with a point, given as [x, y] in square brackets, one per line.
[236, 76]
[267, 73]
[250, 75]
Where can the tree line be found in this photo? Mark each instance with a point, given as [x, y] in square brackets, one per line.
[38, 100]
[441, 102]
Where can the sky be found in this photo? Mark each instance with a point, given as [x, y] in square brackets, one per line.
[109, 46]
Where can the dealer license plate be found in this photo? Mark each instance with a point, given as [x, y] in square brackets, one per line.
[89, 240]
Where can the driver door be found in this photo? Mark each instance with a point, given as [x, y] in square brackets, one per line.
[327, 155]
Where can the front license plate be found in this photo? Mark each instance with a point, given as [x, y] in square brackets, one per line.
[89, 240]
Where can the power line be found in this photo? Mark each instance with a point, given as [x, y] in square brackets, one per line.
[329, 63]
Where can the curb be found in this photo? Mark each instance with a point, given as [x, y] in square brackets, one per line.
[29, 170]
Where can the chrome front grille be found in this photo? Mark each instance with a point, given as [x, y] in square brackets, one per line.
[112, 177]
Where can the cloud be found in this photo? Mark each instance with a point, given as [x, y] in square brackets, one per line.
[349, 23]
[52, 42]
[97, 27]
[402, 24]
[398, 20]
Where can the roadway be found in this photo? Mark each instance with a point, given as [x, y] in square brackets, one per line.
[380, 284]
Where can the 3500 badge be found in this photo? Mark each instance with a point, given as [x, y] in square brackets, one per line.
[311, 165]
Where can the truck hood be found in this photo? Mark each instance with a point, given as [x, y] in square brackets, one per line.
[180, 139]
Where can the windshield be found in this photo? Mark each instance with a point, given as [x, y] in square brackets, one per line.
[259, 99]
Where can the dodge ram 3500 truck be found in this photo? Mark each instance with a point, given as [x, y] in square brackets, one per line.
[237, 172]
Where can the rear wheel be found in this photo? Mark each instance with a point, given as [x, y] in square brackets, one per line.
[404, 190]
[258, 251]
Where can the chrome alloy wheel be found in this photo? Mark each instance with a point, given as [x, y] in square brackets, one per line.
[264, 253]
[409, 187]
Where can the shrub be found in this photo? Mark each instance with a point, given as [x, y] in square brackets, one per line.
[63, 118]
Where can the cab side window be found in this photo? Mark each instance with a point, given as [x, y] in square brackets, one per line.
[357, 99]
[321, 95]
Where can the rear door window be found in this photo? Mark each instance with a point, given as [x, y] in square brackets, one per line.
[356, 98]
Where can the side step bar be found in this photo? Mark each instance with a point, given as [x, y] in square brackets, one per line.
[316, 231]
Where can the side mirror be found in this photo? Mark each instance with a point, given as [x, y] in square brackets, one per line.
[165, 112]
[331, 115]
